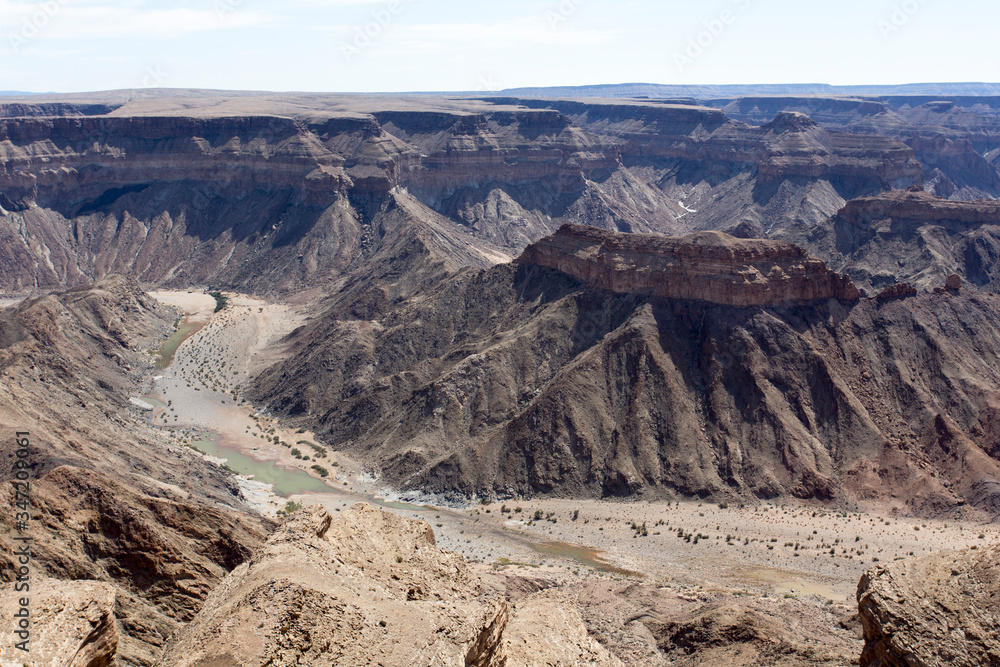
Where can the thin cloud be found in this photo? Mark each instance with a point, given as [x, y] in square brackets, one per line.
[105, 21]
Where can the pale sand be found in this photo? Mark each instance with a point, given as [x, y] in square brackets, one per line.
[197, 389]
[246, 337]
[6, 302]
[196, 304]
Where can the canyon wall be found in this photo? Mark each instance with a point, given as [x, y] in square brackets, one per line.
[708, 266]
[261, 202]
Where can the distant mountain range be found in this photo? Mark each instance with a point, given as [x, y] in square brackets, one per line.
[654, 90]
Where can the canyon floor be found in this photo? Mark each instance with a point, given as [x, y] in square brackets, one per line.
[783, 550]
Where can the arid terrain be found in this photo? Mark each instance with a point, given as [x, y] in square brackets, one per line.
[360, 380]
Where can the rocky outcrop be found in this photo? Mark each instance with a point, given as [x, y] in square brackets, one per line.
[934, 611]
[72, 623]
[169, 554]
[648, 625]
[548, 629]
[917, 206]
[708, 266]
[917, 237]
[897, 291]
[366, 587]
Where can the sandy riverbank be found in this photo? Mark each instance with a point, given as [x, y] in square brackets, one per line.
[6, 302]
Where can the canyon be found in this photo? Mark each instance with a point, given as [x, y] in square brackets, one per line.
[594, 307]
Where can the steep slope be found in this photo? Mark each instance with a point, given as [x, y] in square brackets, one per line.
[259, 203]
[916, 237]
[937, 610]
[523, 380]
[110, 501]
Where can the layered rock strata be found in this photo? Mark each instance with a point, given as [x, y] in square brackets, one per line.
[271, 196]
[708, 266]
[918, 237]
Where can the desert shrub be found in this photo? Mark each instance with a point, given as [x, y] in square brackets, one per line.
[220, 300]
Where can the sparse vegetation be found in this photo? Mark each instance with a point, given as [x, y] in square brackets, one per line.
[290, 508]
[221, 300]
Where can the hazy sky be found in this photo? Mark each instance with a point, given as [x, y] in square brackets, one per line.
[444, 45]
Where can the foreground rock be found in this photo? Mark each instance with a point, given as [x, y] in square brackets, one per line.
[649, 625]
[371, 588]
[935, 611]
[72, 624]
[709, 266]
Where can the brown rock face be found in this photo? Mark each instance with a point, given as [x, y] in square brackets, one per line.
[917, 237]
[708, 266]
[931, 612]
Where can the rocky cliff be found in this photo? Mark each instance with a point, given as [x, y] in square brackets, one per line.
[955, 138]
[270, 195]
[938, 610]
[767, 180]
[917, 237]
[708, 266]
